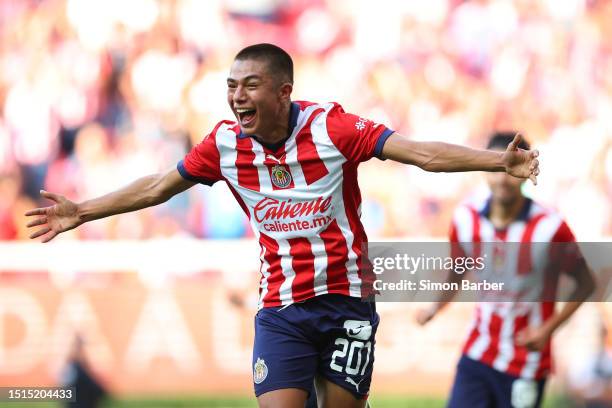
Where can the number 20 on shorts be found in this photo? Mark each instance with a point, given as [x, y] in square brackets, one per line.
[358, 334]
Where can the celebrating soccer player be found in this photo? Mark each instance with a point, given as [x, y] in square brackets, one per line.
[292, 166]
[507, 356]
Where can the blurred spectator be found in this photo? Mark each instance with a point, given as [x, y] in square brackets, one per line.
[93, 95]
[89, 391]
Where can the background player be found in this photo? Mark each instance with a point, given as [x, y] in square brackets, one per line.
[292, 166]
[507, 356]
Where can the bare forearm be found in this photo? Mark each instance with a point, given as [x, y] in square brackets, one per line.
[139, 194]
[446, 296]
[584, 288]
[446, 157]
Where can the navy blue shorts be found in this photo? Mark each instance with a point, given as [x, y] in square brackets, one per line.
[329, 335]
[478, 385]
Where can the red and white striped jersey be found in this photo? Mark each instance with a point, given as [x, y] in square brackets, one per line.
[302, 199]
[491, 338]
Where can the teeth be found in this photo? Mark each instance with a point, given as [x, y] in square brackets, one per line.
[242, 110]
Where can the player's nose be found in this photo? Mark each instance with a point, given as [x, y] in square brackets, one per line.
[239, 95]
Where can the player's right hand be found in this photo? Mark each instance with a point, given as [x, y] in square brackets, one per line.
[424, 315]
[62, 216]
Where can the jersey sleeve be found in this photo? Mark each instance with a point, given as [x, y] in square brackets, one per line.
[202, 163]
[566, 250]
[357, 138]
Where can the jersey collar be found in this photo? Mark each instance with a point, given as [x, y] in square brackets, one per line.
[523, 215]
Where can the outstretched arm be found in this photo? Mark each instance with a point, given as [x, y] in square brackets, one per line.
[66, 215]
[446, 157]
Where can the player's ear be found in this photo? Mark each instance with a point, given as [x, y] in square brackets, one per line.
[285, 90]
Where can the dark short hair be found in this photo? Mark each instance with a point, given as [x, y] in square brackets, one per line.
[501, 140]
[279, 61]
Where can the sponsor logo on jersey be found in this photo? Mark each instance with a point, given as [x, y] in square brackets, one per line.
[269, 209]
[260, 371]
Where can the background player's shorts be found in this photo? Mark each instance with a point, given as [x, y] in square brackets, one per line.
[330, 335]
[479, 386]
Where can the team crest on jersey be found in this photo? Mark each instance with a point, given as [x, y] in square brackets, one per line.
[260, 371]
[280, 176]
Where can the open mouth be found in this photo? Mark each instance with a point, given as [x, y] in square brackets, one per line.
[246, 116]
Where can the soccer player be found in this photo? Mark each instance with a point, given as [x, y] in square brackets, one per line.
[292, 166]
[507, 356]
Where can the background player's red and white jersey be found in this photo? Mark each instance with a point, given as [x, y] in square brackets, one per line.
[491, 338]
[302, 199]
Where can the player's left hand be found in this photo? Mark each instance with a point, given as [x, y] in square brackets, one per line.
[534, 338]
[521, 163]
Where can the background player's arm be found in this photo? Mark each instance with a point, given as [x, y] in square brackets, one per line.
[446, 157]
[424, 315]
[144, 192]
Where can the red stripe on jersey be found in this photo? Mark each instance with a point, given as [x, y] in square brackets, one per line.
[352, 200]
[566, 252]
[456, 250]
[563, 234]
[490, 353]
[302, 262]
[247, 172]
[473, 334]
[520, 353]
[276, 277]
[337, 256]
[475, 232]
[501, 235]
[524, 260]
[312, 166]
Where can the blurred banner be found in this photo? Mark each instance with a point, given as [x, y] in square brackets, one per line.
[176, 316]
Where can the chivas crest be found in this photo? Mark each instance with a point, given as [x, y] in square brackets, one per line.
[260, 371]
[281, 178]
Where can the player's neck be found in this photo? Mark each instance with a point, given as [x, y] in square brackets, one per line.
[279, 130]
[503, 214]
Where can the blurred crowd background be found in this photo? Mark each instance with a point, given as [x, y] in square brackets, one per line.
[94, 94]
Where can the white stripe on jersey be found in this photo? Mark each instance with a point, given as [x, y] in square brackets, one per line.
[546, 228]
[464, 226]
[533, 357]
[226, 144]
[482, 342]
[265, 273]
[506, 343]
[292, 161]
[285, 292]
[265, 184]
[320, 265]
[487, 231]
